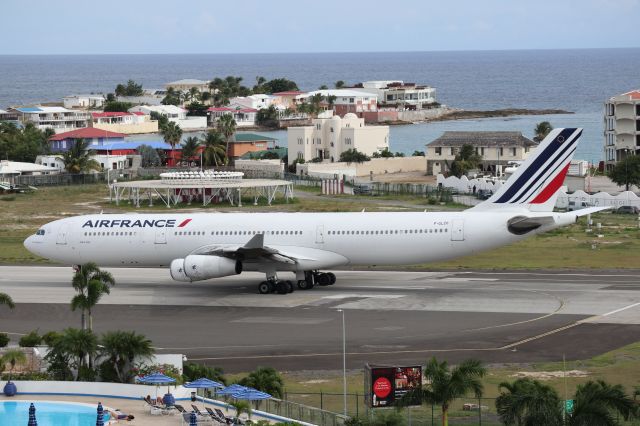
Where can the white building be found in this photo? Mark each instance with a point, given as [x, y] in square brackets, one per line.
[186, 84]
[398, 94]
[11, 169]
[84, 101]
[346, 100]
[107, 162]
[173, 113]
[244, 117]
[57, 118]
[258, 101]
[621, 127]
[329, 136]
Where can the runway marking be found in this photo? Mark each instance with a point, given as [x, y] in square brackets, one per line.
[282, 320]
[621, 309]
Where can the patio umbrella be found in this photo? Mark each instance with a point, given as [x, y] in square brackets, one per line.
[32, 416]
[193, 421]
[204, 383]
[250, 394]
[230, 390]
[100, 418]
[157, 379]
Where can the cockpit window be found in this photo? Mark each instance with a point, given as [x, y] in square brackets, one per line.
[40, 232]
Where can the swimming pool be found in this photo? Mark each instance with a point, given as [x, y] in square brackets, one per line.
[49, 413]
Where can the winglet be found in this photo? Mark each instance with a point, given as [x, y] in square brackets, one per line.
[256, 242]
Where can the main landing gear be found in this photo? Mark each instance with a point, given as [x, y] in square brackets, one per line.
[311, 279]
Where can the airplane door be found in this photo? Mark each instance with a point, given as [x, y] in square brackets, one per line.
[62, 235]
[161, 236]
[457, 230]
[320, 234]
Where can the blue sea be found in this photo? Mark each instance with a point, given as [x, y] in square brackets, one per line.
[575, 80]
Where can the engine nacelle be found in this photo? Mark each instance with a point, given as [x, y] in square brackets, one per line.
[177, 271]
[201, 267]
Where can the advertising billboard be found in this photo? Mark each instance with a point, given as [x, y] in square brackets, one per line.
[386, 385]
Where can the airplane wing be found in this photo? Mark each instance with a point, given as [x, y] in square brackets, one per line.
[256, 250]
[523, 224]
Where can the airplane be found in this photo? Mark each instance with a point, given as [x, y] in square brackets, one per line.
[202, 246]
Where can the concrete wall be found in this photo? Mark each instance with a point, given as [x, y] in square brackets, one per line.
[112, 390]
[267, 166]
[423, 114]
[129, 129]
[375, 166]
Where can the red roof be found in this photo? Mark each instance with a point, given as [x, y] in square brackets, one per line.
[247, 110]
[635, 94]
[289, 93]
[139, 113]
[220, 109]
[109, 114]
[86, 133]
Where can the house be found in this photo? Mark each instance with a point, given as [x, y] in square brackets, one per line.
[329, 136]
[621, 127]
[186, 84]
[173, 113]
[57, 118]
[287, 99]
[258, 101]
[244, 117]
[497, 150]
[11, 169]
[84, 101]
[9, 116]
[398, 94]
[124, 122]
[243, 143]
[61, 142]
[346, 101]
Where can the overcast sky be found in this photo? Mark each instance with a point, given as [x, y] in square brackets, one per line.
[265, 26]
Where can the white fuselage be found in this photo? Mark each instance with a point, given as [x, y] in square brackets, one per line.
[325, 239]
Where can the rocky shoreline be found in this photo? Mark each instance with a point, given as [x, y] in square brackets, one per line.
[507, 112]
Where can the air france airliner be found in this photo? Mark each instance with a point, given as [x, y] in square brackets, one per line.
[202, 246]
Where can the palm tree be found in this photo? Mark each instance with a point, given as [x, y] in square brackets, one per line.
[13, 357]
[91, 284]
[541, 130]
[5, 299]
[215, 151]
[339, 84]
[122, 348]
[446, 384]
[190, 148]
[193, 94]
[78, 158]
[241, 407]
[172, 133]
[227, 126]
[599, 403]
[80, 346]
[527, 402]
[265, 379]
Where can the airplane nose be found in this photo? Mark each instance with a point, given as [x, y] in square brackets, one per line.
[30, 245]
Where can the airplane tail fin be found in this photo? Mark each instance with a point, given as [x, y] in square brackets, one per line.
[535, 184]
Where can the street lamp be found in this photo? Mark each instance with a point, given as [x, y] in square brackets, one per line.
[344, 363]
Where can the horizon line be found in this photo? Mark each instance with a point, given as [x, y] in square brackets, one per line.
[328, 52]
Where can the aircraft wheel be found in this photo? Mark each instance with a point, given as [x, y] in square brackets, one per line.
[264, 287]
[281, 287]
[302, 284]
[332, 278]
[323, 279]
[289, 285]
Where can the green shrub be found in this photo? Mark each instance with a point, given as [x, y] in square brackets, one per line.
[4, 340]
[50, 338]
[30, 340]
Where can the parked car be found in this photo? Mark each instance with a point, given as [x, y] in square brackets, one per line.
[577, 205]
[484, 194]
[627, 210]
[362, 189]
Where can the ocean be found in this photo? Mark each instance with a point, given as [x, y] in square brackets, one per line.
[575, 80]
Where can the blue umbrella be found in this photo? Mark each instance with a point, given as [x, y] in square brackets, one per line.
[193, 420]
[250, 394]
[100, 419]
[156, 379]
[32, 416]
[230, 390]
[204, 383]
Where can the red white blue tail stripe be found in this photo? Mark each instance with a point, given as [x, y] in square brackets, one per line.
[540, 177]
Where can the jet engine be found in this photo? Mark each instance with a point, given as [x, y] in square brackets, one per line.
[177, 271]
[201, 267]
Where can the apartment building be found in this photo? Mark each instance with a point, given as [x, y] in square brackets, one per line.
[57, 118]
[497, 150]
[345, 101]
[84, 101]
[398, 94]
[621, 127]
[124, 122]
[329, 136]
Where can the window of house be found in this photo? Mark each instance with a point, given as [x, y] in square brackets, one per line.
[438, 150]
[513, 152]
[501, 151]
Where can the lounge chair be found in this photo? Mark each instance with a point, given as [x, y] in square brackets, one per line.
[230, 420]
[220, 419]
[155, 409]
[201, 415]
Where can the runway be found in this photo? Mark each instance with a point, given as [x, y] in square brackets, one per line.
[391, 317]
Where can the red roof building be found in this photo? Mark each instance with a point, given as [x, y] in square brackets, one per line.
[87, 133]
